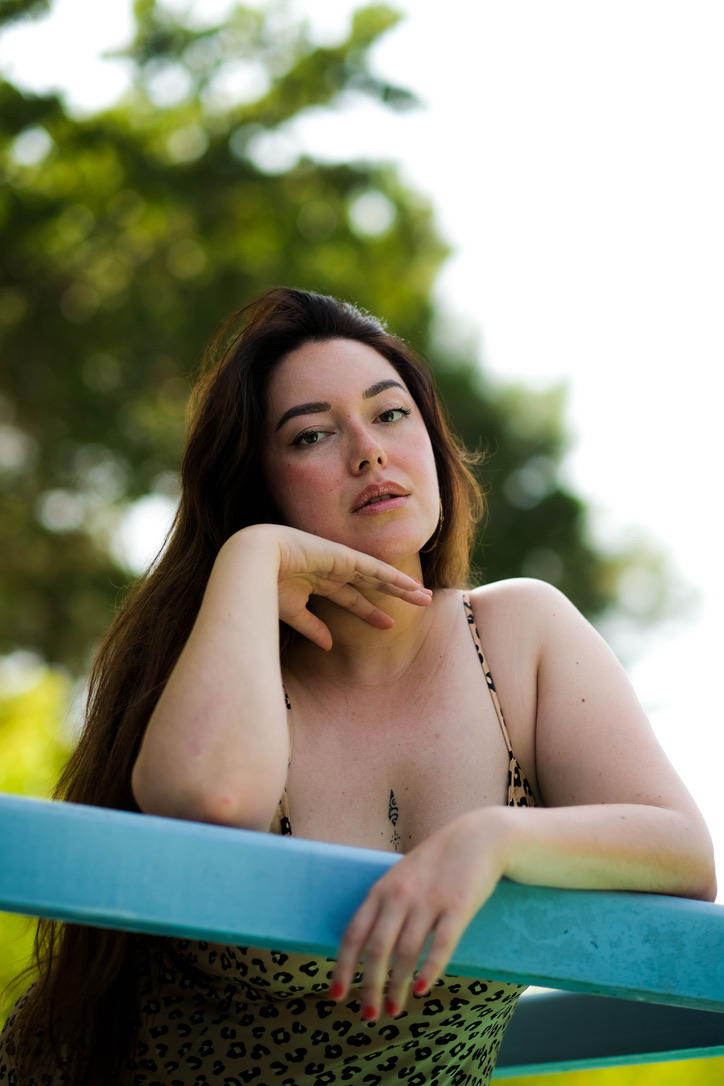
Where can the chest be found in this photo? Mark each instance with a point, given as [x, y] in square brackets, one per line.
[385, 767]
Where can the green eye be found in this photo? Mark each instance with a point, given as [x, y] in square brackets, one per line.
[393, 414]
[308, 437]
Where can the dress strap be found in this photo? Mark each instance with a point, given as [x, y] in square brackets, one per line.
[281, 823]
[520, 793]
[474, 633]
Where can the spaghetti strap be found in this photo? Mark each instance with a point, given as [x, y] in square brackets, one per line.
[281, 823]
[474, 633]
[520, 793]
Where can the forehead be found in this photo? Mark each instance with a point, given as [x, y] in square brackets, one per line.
[336, 367]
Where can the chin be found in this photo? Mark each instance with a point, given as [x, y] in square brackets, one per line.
[395, 552]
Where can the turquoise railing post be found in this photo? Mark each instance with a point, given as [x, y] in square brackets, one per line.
[141, 873]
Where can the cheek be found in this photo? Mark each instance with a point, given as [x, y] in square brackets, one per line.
[423, 454]
[299, 491]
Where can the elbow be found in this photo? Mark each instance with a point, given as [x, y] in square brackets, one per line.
[227, 807]
[703, 890]
[708, 888]
[699, 881]
[142, 793]
[218, 805]
[689, 865]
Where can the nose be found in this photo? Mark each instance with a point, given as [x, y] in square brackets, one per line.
[366, 452]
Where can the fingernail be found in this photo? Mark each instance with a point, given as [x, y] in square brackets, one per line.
[419, 987]
[369, 1014]
[335, 990]
[392, 1008]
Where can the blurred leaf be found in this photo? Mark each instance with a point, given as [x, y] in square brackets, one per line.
[34, 741]
[34, 745]
[13, 10]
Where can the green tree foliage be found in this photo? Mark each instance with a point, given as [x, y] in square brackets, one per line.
[34, 740]
[14, 10]
[129, 235]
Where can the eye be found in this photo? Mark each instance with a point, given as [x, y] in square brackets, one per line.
[393, 414]
[307, 437]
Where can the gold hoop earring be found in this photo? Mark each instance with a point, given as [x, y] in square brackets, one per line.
[438, 532]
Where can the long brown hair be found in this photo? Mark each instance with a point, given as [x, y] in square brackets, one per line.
[83, 1004]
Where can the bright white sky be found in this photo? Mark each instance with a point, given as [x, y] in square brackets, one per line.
[574, 154]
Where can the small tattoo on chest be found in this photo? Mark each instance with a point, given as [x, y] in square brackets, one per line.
[393, 813]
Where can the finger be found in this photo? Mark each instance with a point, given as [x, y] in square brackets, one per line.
[407, 952]
[393, 583]
[311, 627]
[381, 944]
[371, 573]
[353, 601]
[445, 938]
[350, 950]
[371, 936]
[418, 595]
[323, 559]
[378, 955]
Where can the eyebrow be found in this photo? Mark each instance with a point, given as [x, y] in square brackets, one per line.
[319, 406]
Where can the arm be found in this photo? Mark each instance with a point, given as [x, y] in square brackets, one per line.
[204, 756]
[617, 815]
[216, 747]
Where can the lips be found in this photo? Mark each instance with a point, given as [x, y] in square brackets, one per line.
[377, 492]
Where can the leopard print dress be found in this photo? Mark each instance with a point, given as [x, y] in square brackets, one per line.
[227, 1015]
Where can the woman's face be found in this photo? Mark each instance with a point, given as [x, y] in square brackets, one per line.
[346, 453]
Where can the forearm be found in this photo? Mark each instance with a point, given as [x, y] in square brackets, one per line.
[413, 917]
[607, 846]
[216, 746]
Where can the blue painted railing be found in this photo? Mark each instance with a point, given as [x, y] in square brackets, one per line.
[140, 873]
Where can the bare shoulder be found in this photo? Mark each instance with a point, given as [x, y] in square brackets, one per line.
[591, 740]
[524, 592]
[545, 632]
[560, 683]
[522, 606]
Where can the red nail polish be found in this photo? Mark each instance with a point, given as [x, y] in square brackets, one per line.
[419, 987]
[392, 1008]
[369, 1014]
[335, 990]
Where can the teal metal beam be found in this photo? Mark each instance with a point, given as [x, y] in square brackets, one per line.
[566, 1031]
[141, 873]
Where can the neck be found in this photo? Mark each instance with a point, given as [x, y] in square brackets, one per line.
[360, 653]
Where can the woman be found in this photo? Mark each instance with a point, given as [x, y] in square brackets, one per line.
[323, 490]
